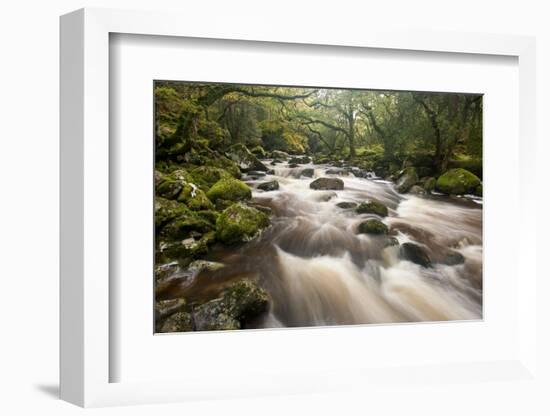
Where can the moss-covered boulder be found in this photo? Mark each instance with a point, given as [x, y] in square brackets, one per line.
[457, 182]
[186, 249]
[229, 189]
[240, 223]
[166, 210]
[259, 151]
[194, 198]
[325, 184]
[479, 190]
[406, 179]
[415, 253]
[372, 226]
[238, 304]
[206, 176]
[372, 207]
[244, 158]
[428, 183]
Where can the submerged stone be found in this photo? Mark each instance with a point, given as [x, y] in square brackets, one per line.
[269, 186]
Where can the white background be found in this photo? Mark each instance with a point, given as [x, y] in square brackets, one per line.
[29, 224]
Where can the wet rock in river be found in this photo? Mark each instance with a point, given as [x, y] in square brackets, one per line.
[417, 190]
[327, 184]
[406, 179]
[372, 207]
[269, 186]
[391, 241]
[238, 304]
[428, 183]
[415, 253]
[301, 160]
[346, 205]
[240, 223]
[453, 258]
[279, 154]
[293, 165]
[372, 226]
[333, 171]
[307, 172]
[256, 173]
[275, 161]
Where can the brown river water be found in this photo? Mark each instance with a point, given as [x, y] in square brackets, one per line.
[319, 271]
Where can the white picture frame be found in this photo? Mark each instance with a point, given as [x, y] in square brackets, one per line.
[85, 219]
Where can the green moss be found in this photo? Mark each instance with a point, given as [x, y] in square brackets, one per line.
[429, 184]
[206, 176]
[259, 151]
[372, 227]
[479, 190]
[240, 303]
[195, 198]
[372, 207]
[240, 223]
[166, 210]
[229, 189]
[456, 182]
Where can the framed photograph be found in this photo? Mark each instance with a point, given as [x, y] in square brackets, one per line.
[263, 213]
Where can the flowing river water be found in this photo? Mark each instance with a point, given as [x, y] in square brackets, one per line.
[319, 271]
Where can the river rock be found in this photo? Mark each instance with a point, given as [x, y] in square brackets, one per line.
[457, 182]
[238, 304]
[372, 207]
[275, 161]
[269, 186]
[346, 205]
[256, 173]
[199, 266]
[372, 226]
[479, 190]
[293, 165]
[301, 160]
[244, 158]
[406, 179]
[259, 151]
[417, 190]
[326, 184]
[415, 253]
[229, 189]
[428, 183]
[240, 223]
[307, 172]
[178, 322]
[279, 154]
[333, 171]
[453, 258]
[391, 241]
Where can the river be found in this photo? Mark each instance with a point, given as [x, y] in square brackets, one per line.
[319, 271]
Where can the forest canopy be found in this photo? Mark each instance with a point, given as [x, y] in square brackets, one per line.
[379, 129]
